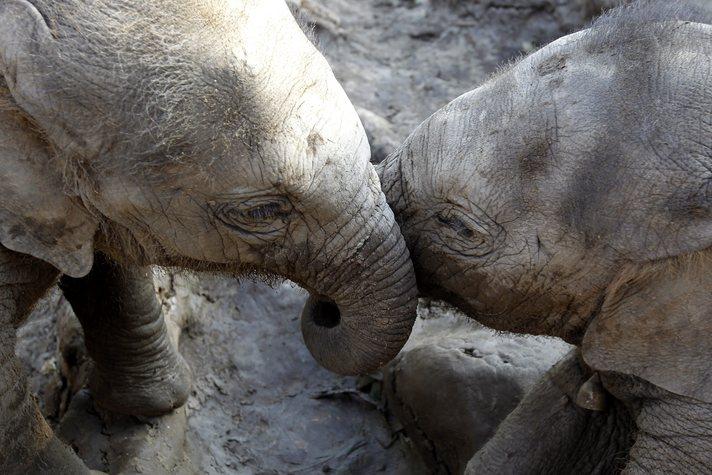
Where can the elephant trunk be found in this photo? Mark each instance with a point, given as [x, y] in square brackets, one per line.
[371, 306]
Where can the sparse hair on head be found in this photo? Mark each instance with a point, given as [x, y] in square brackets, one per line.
[144, 75]
[628, 20]
[633, 19]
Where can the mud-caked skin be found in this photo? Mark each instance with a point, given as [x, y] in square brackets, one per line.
[571, 195]
[200, 134]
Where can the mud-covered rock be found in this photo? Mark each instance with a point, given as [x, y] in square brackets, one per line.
[37, 348]
[127, 445]
[455, 382]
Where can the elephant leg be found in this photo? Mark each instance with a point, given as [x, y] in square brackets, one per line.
[549, 433]
[137, 370]
[673, 433]
[27, 443]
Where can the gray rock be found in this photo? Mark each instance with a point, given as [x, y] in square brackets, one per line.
[456, 381]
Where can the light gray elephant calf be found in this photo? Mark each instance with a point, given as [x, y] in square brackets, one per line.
[202, 134]
[571, 195]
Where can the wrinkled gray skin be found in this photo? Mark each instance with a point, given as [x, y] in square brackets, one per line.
[202, 134]
[571, 195]
[136, 370]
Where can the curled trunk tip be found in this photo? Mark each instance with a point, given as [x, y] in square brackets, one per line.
[351, 344]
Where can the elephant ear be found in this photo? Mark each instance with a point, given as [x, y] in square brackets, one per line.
[29, 54]
[37, 217]
[656, 323]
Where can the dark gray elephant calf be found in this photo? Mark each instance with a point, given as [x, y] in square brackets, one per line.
[200, 134]
[571, 195]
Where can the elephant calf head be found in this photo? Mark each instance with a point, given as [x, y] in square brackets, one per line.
[207, 134]
[570, 196]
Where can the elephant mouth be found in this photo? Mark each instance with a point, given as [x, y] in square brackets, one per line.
[323, 312]
[469, 306]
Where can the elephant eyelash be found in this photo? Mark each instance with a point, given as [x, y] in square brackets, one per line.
[250, 217]
[460, 225]
[457, 225]
[266, 211]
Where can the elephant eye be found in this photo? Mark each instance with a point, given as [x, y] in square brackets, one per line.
[263, 215]
[466, 231]
[456, 224]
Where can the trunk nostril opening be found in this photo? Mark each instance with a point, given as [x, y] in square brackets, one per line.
[326, 314]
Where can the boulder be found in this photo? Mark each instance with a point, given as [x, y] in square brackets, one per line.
[456, 381]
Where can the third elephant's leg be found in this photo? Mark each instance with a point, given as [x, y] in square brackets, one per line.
[549, 433]
[137, 369]
[27, 444]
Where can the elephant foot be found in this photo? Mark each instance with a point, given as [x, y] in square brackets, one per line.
[56, 457]
[129, 445]
[147, 391]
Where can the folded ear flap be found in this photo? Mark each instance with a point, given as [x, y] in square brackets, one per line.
[25, 39]
[656, 324]
[36, 216]
[29, 53]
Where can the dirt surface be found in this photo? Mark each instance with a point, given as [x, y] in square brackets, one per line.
[401, 60]
[260, 403]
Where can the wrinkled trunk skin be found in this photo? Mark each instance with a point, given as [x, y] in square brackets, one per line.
[400, 183]
[365, 303]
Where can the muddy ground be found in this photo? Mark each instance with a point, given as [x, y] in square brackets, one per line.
[260, 404]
